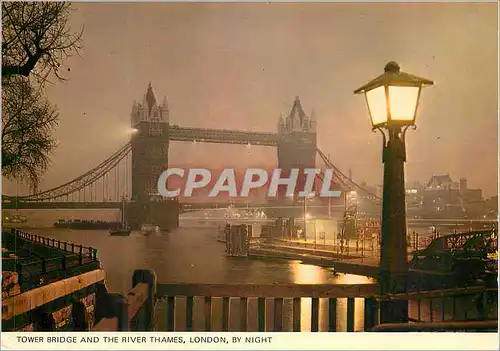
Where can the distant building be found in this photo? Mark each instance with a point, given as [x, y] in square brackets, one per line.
[413, 199]
[491, 205]
[442, 182]
[470, 195]
[443, 197]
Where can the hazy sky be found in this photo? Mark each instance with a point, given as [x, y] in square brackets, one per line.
[238, 66]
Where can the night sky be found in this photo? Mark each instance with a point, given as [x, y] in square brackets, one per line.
[238, 66]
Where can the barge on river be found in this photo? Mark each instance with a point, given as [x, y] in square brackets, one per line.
[79, 224]
[48, 284]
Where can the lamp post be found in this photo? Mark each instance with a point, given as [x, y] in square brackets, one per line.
[306, 215]
[305, 219]
[392, 100]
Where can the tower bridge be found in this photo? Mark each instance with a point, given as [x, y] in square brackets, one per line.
[132, 172]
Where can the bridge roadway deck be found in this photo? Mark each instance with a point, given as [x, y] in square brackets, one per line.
[10, 203]
[59, 205]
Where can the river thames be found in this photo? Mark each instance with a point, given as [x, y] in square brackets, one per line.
[191, 254]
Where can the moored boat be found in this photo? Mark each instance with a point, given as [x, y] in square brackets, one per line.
[49, 285]
[147, 229]
[120, 232]
[79, 224]
[16, 218]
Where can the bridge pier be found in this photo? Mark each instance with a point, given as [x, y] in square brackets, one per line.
[164, 214]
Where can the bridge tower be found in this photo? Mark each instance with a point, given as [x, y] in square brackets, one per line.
[150, 143]
[296, 146]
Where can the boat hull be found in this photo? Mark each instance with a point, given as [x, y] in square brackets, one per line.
[120, 232]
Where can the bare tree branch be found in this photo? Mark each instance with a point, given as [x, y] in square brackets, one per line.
[28, 120]
[36, 38]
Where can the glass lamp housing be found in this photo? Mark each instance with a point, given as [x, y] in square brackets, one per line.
[393, 97]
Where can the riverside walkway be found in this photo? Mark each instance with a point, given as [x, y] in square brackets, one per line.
[354, 264]
[347, 261]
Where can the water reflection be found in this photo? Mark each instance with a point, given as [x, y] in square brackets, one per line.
[309, 274]
[306, 274]
[352, 279]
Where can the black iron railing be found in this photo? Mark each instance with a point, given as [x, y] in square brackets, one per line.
[64, 259]
[80, 250]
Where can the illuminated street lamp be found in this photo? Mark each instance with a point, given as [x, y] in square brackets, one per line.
[393, 97]
[392, 100]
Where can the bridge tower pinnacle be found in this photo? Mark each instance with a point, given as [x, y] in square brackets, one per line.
[297, 143]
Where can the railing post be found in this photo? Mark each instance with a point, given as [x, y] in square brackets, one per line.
[480, 306]
[78, 316]
[115, 306]
[101, 294]
[148, 277]
[80, 255]
[370, 313]
[65, 246]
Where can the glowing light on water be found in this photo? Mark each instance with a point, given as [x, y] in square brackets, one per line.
[306, 274]
[352, 279]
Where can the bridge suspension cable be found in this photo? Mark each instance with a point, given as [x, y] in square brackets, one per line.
[103, 170]
[346, 181]
[83, 181]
